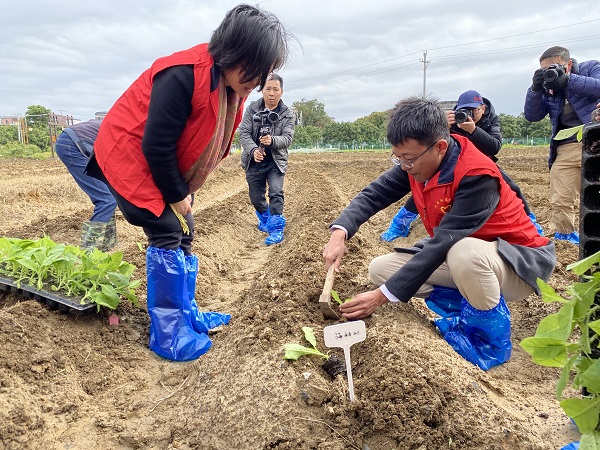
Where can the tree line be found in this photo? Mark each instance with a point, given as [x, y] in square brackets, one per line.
[314, 129]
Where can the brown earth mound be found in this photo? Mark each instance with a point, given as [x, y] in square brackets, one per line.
[74, 382]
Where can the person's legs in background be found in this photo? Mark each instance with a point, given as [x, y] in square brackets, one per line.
[256, 177]
[276, 222]
[565, 186]
[100, 231]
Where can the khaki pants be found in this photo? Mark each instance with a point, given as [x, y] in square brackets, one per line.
[565, 187]
[472, 266]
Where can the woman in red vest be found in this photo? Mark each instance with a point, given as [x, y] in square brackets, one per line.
[160, 141]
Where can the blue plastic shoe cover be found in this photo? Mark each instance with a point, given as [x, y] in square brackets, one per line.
[444, 301]
[202, 322]
[571, 446]
[262, 220]
[482, 337]
[275, 226]
[534, 221]
[172, 335]
[573, 237]
[399, 226]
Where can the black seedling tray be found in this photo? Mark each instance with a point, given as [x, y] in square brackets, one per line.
[52, 300]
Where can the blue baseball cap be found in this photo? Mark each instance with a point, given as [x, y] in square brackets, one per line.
[469, 99]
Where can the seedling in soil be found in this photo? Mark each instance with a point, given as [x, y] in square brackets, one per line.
[333, 365]
[295, 351]
[336, 297]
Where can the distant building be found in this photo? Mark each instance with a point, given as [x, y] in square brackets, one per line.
[447, 104]
[100, 114]
[9, 120]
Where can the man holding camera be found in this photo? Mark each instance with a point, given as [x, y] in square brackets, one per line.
[473, 117]
[266, 132]
[568, 92]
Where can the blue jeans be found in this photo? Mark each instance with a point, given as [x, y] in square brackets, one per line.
[97, 191]
[259, 176]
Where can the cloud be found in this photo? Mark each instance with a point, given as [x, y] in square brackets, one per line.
[355, 57]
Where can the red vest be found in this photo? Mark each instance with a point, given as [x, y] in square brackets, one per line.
[508, 221]
[118, 148]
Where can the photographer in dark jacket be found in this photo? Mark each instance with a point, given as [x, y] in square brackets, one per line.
[266, 132]
[473, 117]
[567, 92]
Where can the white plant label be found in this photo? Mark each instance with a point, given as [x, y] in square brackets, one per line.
[344, 335]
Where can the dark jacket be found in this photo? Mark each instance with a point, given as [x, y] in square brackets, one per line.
[583, 92]
[282, 133]
[487, 136]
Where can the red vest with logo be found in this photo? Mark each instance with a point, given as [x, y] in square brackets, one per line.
[118, 148]
[508, 221]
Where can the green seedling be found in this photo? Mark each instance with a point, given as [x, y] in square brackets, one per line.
[97, 277]
[337, 298]
[569, 339]
[295, 351]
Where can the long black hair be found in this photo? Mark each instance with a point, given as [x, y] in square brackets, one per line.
[253, 40]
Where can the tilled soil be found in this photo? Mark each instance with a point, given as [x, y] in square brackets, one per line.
[73, 382]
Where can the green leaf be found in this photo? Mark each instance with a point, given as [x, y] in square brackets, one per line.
[547, 352]
[295, 351]
[595, 325]
[309, 335]
[335, 296]
[558, 325]
[549, 295]
[591, 377]
[582, 266]
[590, 441]
[584, 411]
[564, 379]
[568, 132]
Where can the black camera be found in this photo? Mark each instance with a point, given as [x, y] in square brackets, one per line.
[266, 118]
[462, 114]
[552, 72]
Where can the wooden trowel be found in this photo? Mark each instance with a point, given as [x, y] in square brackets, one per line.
[325, 298]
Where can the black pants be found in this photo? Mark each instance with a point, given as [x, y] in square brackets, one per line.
[163, 231]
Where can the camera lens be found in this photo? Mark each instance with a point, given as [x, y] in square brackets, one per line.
[550, 75]
[460, 116]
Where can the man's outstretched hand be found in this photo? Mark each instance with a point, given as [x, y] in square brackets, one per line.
[363, 305]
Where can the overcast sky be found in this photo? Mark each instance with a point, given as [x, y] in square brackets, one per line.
[354, 56]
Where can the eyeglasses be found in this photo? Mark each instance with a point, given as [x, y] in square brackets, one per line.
[409, 163]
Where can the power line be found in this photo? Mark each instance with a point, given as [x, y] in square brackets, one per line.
[292, 83]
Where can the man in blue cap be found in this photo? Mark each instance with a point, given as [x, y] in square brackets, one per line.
[473, 117]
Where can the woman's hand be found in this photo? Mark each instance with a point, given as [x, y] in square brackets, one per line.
[184, 206]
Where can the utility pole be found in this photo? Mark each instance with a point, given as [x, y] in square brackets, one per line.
[425, 62]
